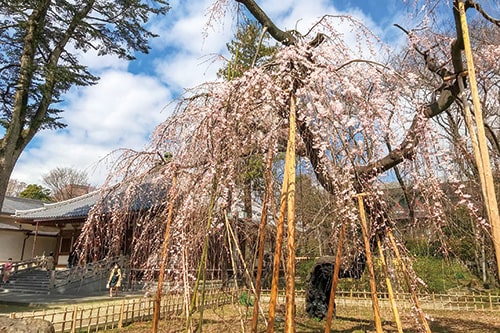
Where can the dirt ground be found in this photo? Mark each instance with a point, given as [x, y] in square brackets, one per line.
[232, 318]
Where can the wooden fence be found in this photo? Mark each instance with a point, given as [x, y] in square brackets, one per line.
[115, 314]
[98, 317]
[452, 302]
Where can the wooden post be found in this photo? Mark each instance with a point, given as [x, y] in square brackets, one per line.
[290, 265]
[490, 199]
[335, 279]
[34, 241]
[389, 287]
[409, 283]
[156, 313]
[472, 132]
[90, 319]
[369, 262]
[73, 322]
[262, 232]
[97, 319]
[277, 252]
[120, 321]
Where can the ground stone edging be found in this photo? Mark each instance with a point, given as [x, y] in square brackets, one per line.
[30, 325]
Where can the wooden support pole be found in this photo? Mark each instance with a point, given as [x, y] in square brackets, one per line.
[262, 232]
[166, 237]
[284, 200]
[389, 287]
[490, 200]
[472, 132]
[202, 267]
[233, 266]
[273, 297]
[409, 284]
[369, 263]
[290, 265]
[335, 279]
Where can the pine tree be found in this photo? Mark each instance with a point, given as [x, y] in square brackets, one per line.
[39, 43]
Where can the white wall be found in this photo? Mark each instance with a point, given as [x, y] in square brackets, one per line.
[11, 245]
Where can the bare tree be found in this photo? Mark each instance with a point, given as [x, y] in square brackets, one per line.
[66, 183]
[15, 187]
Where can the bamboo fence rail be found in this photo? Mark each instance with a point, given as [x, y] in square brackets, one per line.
[116, 314]
[98, 317]
[432, 301]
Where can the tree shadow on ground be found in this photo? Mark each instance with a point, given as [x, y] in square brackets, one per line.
[339, 325]
[455, 325]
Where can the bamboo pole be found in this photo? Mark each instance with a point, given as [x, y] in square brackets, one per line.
[389, 287]
[203, 263]
[335, 280]
[122, 309]
[290, 271]
[233, 266]
[490, 200]
[262, 229]
[73, 320]
[240, 255]
[166, 237]
[277, 252]
[369, 262]
[472, 132]
[409, 285]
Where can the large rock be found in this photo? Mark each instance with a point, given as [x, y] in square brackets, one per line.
[31, 325]
[319, 282]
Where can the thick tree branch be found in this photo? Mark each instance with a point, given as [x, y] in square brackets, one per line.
[475, 5]
[284, 37]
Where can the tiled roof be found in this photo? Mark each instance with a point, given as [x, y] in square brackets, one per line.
[80, 207]
[76, 207]
[11, 204]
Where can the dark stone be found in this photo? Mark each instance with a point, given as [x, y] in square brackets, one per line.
[319, 283]
[30, 325]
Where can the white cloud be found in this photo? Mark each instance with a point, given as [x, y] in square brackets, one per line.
[98, 64]
[119, 112]
[194, 46]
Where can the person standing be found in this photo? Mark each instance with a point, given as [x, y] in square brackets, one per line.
[114, 280]
[7, 269]
[50, 265]
[72, 259]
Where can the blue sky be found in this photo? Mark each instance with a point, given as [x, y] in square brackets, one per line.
[131, 98]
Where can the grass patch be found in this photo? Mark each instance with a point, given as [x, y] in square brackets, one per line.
[439, 274]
